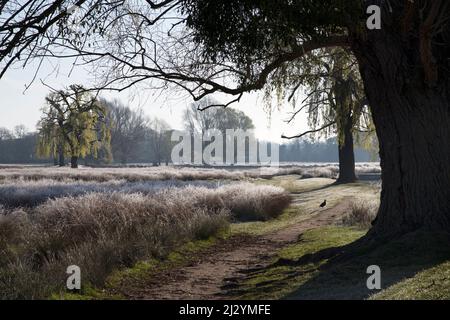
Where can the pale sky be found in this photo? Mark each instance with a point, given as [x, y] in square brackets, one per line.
[20, 106]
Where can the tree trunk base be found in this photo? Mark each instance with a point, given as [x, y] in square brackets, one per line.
[74, 162]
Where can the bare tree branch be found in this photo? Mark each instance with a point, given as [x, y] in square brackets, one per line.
[310, 131]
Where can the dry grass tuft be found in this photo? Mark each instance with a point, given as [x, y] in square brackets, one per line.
[330, 172]
[362, 214]
[250, 202]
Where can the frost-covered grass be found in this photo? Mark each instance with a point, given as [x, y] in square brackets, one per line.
[102, 232]
[25, 193]
[246, 201]
[174, 173]
[128, 174]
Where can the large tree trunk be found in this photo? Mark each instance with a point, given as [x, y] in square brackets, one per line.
[414, 140]
[74, 162]
[412, 121]
[347, 155]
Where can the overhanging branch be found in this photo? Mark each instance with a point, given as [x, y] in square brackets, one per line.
[310, 131]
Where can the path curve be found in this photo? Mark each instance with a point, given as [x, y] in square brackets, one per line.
[217, 272]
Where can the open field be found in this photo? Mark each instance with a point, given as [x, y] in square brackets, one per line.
[8, 173]
[48, 224]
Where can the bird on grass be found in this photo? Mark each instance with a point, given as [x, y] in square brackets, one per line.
[323, 204]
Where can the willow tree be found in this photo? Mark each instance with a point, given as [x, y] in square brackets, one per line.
[73, 124]
[332, 95]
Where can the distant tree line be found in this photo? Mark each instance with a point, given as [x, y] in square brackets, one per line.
[18, 146]
[306, 150]
[136, 138]
[78, 127]
[144, 148]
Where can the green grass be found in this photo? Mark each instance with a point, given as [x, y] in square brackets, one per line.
[430, 284]
[399, 259]
[291, 215]
[318, 239]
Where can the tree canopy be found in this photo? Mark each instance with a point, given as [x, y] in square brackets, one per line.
[197, 121]
[331, 93]
[128, 129]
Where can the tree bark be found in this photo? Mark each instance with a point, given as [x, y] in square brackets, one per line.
[347, 155]
[412, 122]
[74, 162]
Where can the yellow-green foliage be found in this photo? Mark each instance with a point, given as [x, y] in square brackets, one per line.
[73, 121]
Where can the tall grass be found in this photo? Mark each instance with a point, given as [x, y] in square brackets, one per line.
[23, 193]
[100, 232]
[244, 201]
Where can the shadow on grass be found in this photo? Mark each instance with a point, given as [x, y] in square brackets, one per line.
[339, 272]
[343, 275]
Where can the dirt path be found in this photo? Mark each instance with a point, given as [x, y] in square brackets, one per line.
[219, 270]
